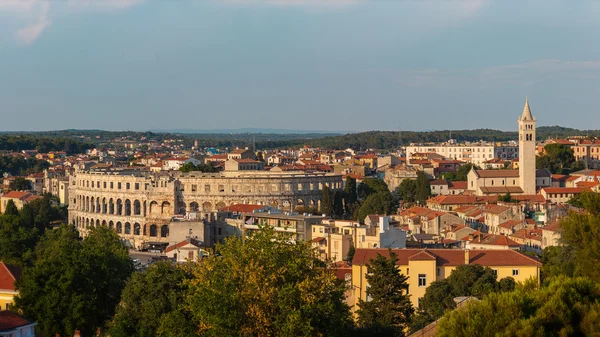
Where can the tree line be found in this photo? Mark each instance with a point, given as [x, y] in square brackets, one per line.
[42, 144]
[17, 165]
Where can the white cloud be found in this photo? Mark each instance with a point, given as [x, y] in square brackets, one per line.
[30, 33]
[35, 13]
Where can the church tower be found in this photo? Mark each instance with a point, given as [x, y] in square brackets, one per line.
[527, 150]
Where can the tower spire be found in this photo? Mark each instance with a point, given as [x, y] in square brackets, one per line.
[526, 111]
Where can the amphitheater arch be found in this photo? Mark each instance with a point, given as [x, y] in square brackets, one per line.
[127, 228]
[93, 205]
[164, 231]
[137, 207]
[207, 206]
[119, 207]
[153, 230]
[119, 227]
[136, 229]
[154, 209]
[104, 223]
[111, 206]
[221, 205]
[194, 207]
[165, 208]
[127, 207]
[111, 225]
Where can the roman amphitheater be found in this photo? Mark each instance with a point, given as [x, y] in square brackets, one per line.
[140, 205]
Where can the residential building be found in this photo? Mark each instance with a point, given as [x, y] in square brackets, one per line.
[13, 325]
[186, 250]
[20, 198]
[9, 275]
[424, 266]
[562, 194]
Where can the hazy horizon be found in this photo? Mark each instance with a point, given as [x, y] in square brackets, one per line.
[333, 65]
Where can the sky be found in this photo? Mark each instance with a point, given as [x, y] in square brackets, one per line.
[351, 65]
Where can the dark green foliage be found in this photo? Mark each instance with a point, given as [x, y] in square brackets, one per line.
[407, 190]
[20, 184]
[351, 253]
[338, 205]
[382, 203]
[506, 198]
[558, 158]
[74, 284]
[326, 202]
[461, 173]
[149, 299]
[423, 188]
[189, 167]
[465, 280]
[371, 186]
[11, 208]
[567, 307]
[350, 191]
[42, 144]
[389, 309]
[15, 165]
[264, 286]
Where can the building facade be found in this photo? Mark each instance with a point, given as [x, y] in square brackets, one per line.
[140, 204]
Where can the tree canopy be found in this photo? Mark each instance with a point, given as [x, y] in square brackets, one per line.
[20, 184]
[73, 283]
[15, 165]
[189, 167]
[465, 280]
[566, 307]
[326, 202]
[461, 173]
[558, 158]
[150, 299]
[263, 285]
[388, 310]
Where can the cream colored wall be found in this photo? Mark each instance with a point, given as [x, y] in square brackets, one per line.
[416, 268]
[6, 297]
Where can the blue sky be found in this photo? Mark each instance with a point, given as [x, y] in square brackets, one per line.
[297, 64]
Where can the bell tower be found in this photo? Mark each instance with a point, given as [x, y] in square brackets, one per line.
[527, 150]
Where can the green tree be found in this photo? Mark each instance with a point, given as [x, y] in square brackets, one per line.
[148, 299]
[567, 307]
[422, 188]
[189, 167]
[465, 280]
[379, 203]
[558, 158]
[73, 283]
[20, 184]
[16, 241]
[11, 208]
[351, 252]
[262, 285]
[462, 172]
[408, 190]
[388, 310]
[371, 186]
[326, 202]
[350, 194]
[506, 198]
[338, 205]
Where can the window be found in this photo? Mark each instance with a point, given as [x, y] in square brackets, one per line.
[119, 186]
[422, 280]
[495, 271]
[515, 272]
[111, 185]
[137, 186]
[127, 186]
[104, 185]
[207, 188]
[194, 188]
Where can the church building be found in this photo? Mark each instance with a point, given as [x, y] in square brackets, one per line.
[526, 179]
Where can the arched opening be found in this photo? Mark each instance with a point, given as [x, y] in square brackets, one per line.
[91, 223]
[97, 223]
[137, 207]
[104, 206]
[119, 227]
[104, 223]
[154, 209]
[98, 210]
[93, 205]
[111, 206]
[127, 207]
[300, 204]
[194, 207]
[127, 228]
[111, 225]
[221, 205]
[164, 231]
[153, 230]
[87, 204]
[287, 206]
[145, 231]
[181, 207]
[165, 208]
[136, 229]
[87, 223]
[207, 207]
[119, 207]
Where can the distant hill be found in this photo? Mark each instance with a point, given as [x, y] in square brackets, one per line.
[249, 130]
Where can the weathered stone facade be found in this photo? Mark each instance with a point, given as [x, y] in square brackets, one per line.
[140, 204]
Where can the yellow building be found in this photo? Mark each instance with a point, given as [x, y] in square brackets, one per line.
[9, 274]
[423, 266]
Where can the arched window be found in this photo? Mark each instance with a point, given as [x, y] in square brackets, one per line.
[153, 230]
[136, 229]
[164, 231]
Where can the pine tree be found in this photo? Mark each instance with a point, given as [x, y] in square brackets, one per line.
[338, 205]
[11, 208]
[326, 202]
[388, 309]
[423, 188]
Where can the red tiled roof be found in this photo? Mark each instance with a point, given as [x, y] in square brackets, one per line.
[510, 224]
[451, 257]
[491, 239]
[462, 199]
[16, 195]
[497, 209]
[422, 256]
[574, 190]
[9, 274]
[458, 185]
[318, 239]
[10, 321]
[183, 243]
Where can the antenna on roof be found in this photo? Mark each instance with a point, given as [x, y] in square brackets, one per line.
[253, 143]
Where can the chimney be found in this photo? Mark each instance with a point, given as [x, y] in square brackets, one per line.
[77, 333]
[467, 257]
